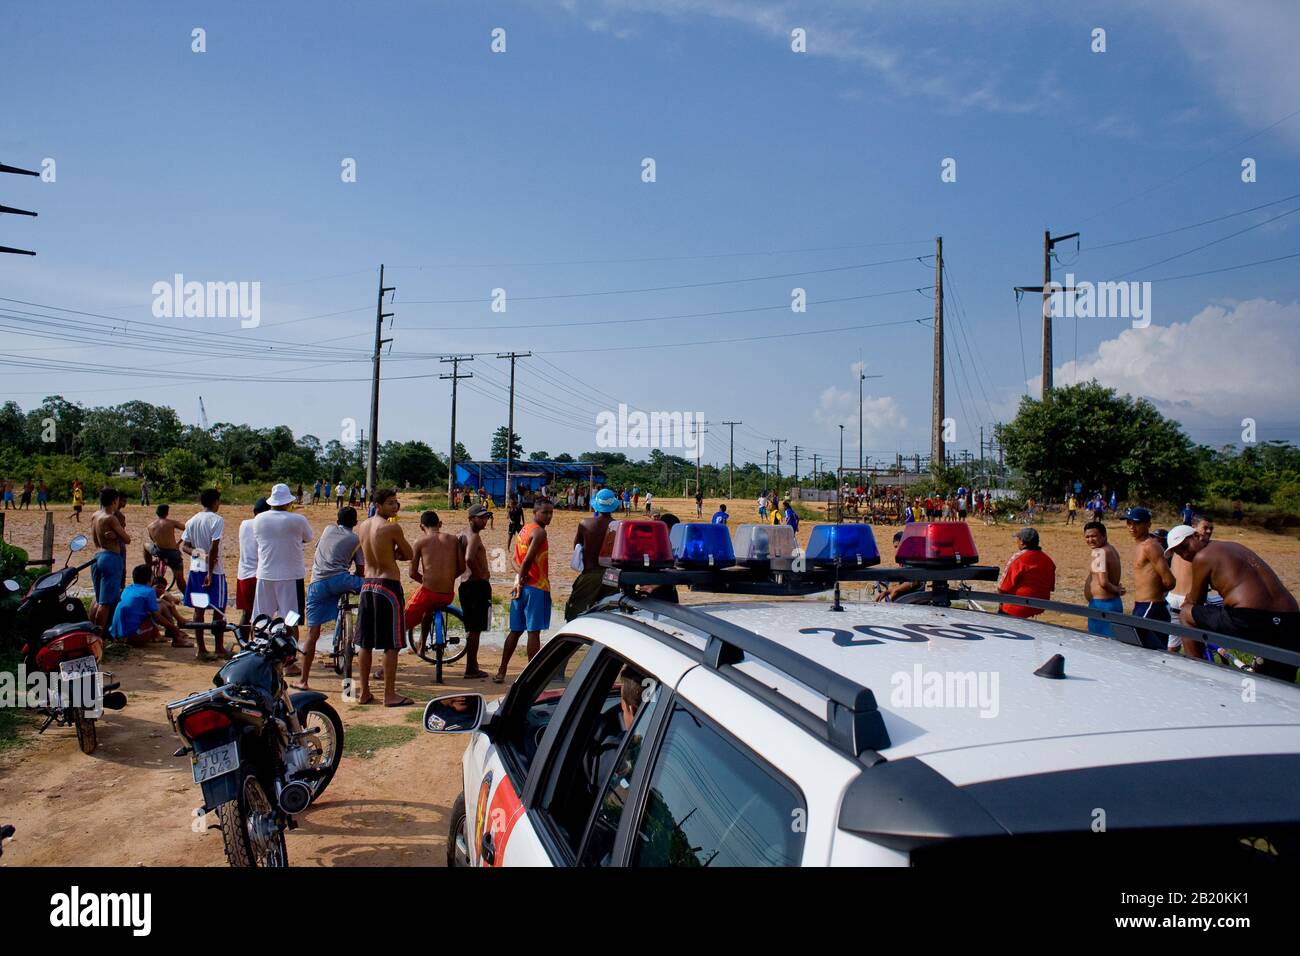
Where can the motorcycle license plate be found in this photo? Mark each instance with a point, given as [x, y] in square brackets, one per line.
[215, 762]
[82, 665]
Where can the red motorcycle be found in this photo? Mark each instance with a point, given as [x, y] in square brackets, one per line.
[65, 648]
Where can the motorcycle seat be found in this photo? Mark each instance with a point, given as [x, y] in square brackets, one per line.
[59, 630]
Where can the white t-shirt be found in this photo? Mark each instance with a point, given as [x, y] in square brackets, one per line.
[247, 550]
[200, 531]
[280, 537]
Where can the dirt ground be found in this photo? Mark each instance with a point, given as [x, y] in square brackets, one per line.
[131, 803]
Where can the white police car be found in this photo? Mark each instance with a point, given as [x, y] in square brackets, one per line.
[784, 733]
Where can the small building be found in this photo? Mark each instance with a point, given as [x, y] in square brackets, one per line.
[528, 477]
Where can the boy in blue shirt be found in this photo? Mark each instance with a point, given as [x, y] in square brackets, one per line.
[720, 516]
[136, 618]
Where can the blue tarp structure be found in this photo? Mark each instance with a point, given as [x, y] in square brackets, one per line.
[531, 475]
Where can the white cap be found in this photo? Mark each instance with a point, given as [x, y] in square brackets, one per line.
[280, 495]
[1177, 535]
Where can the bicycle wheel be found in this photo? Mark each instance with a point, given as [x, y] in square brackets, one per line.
[452, 626]
[349, 649]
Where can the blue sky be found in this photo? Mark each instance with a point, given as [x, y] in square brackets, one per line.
[522, 170]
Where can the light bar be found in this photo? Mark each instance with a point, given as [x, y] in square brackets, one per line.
[763, 546]
[943, 544]
[636, 544]
[853, 545]
[702, 545]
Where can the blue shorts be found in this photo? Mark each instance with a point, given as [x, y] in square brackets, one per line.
[323, 597]
[216, 591]
[106, 574]
[1104, 604]
[531, 611]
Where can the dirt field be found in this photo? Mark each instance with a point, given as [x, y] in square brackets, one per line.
[131, 803]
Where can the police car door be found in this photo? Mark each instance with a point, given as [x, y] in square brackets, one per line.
[497, 823]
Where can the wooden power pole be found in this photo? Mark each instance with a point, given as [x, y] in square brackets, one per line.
[455, 376]
[510, 425]
[936, 396]
[373, 451]
[731, 458]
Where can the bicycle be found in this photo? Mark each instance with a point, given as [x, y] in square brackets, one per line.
[446, 627]
[343, 646]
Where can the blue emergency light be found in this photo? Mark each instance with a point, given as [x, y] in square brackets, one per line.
[853, 544]
[702, 545]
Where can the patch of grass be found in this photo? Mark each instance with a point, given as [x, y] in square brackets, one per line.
[13, 720]
[363, 740]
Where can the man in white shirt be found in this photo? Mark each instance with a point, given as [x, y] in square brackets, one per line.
[246, 576]
[281, 569]
[201, 540]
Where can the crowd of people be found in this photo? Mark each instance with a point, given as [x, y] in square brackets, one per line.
[1183, 574]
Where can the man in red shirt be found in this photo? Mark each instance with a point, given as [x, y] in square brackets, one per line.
[1030, 573]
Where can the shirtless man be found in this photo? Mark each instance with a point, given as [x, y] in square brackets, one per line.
[1182, 569]
[1152, 577]
[1255, 604]
[589, 536]
[108, 568]
[1101, 587]
[439, 560]
[162, 542]
[380, 623]
[476, 590]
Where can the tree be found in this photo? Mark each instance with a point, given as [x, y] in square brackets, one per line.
[1105, 440]
[538, 456]
[179, 473]
[499, 445]
[564, 456]
[413, 461]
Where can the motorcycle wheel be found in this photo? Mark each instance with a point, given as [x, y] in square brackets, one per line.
[87, 738]
[325, 747]
[250, 828]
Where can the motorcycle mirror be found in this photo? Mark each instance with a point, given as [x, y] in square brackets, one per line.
[291, 619]
[11, 584]
[77, 543]
[200, 600]
[261, 621]
[454, 714]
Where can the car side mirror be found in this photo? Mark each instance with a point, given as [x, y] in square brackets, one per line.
[12, 585]
[78, 543]
[199, 600]
[454, 714]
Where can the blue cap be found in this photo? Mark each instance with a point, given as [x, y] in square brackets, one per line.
[1137, 514]
[604, 500]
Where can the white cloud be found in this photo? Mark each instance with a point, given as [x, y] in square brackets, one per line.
[882, 416]
[1225, 364]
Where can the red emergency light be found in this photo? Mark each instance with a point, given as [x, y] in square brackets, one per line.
[937, 544]
[637, 543]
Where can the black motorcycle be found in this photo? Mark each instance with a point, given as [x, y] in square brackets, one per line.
[261, 754]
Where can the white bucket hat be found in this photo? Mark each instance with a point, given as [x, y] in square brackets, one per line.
[280, 495]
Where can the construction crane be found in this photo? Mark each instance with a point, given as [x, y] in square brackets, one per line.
[203, 415]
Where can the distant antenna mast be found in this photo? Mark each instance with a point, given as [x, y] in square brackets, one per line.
[203, 414]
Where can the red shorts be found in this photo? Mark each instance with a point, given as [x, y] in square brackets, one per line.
[423, 602]
[147, 634]
[245, 591]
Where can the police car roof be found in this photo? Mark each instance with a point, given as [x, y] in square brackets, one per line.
[950, 681]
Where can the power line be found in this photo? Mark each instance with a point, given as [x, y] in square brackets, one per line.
[672, 288]
[1195, 225]
[1213, 242]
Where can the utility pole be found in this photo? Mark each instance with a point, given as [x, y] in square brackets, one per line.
[510, 424]
[731, 457]
[455, 376]
[796, 463]
[698, 432]
[1047, 289]
[15, 170]
[936, 394]
[815, 470]
[373, 452]
[839, 481]
[778, 442]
